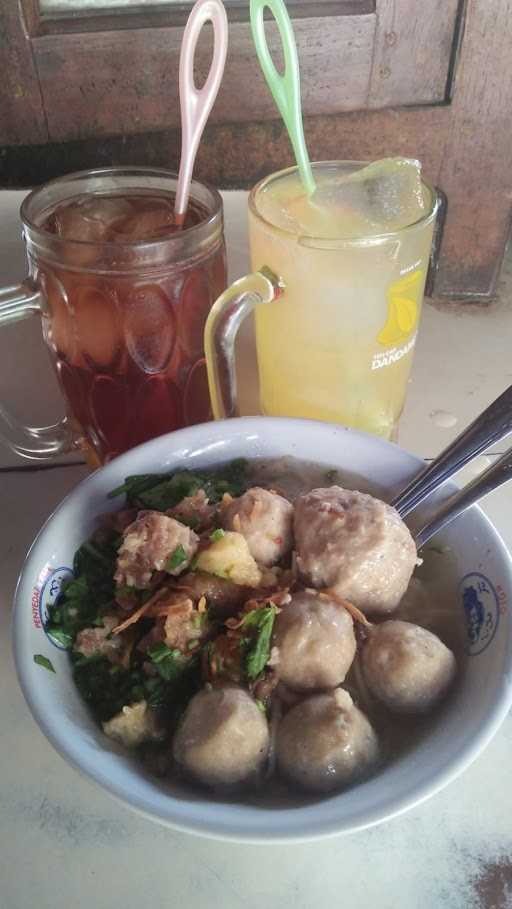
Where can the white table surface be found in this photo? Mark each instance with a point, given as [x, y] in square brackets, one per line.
[64, 843]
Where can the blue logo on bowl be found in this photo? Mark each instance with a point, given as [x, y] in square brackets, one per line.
[481, 611]
[48, 596]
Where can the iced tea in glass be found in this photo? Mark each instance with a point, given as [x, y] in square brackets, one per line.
[125, 296]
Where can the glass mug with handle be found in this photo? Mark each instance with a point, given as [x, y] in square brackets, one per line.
[336, 291]
[123, 295]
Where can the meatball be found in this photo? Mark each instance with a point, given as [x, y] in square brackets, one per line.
[326, 743]
[223, 737]
[149, 544]
[315, 641]
[407, 667]
[264, 518]
[99, 640]
[355, 544]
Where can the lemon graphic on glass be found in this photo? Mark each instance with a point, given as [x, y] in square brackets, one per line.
[402, 297]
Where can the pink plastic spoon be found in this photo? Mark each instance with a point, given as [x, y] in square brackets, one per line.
[197, 104]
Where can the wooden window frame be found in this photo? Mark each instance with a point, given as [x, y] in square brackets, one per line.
[462, 138]
[173, 15]
[353, 57]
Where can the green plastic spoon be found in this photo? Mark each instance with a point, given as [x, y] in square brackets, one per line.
[286, 88]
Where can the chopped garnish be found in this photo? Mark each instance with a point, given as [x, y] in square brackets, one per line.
[217, 535]
[61, 637]
[201, 606]
[134, 486]
[85, 598]
[142, 610]
[164, 491]
[260, 705]
[259, 623]
[169, 663]
[176, 559]
[44, 662]
[356, 613]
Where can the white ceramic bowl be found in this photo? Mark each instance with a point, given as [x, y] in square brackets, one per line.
[458, 734]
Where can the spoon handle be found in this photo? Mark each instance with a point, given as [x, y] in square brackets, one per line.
[196, 104]
[491, 426]
[285, 88]
[498, 473]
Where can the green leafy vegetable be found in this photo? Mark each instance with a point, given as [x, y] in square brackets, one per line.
[61, 637]
[169, 492]
[176, 559]
[178, 679]
[217, 535]
[169, 663]
[107, 688]
[44, 662]
[260, 705]
[259, 624]
[90, 594]
[163, 491]
[137, 484]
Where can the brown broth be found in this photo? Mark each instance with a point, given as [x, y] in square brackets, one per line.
[429, 601]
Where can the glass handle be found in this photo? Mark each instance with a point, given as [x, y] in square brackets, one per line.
[39, 443]
[224, 320]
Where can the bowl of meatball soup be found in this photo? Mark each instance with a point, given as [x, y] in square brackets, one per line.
[232, 631]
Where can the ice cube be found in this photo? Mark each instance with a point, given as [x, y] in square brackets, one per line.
[91, 217]
[283, 207]
[324, 215]
[386, 195]
[88, 221]
[152, 223]
[320, 217]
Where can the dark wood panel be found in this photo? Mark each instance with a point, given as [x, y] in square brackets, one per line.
[165, 15]
[477, 160]
[126, 81]
[412, 53]
[465, 148]
[21, 111]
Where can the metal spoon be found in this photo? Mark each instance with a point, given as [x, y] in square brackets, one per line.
[498, 473]
[492, 425]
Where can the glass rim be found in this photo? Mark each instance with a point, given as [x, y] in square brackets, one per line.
[356, 240]
[37, 229]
